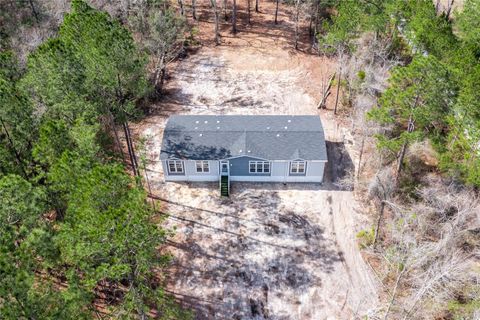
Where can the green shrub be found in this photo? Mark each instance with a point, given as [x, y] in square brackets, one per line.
[366, 237]
[463, 309]
[361, 75]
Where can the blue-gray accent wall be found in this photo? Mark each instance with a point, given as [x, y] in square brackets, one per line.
[240, 167]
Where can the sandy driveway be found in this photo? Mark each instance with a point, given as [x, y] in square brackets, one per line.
[269, 251]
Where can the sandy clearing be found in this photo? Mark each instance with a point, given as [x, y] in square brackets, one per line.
[269, 251]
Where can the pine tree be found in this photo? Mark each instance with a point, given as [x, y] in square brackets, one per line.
[26, 290]
[415, 105]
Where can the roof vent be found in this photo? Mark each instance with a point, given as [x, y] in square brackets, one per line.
[196, 128]
[218, 121]
[240, 150]
[286, 128]
[218, 128]
[278, 135]
[268, 128]
[197, 121]
[249, 151]
[201, 134]
[289, 120]
[206, 121]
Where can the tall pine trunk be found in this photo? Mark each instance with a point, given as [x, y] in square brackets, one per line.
[130, 154]
[215, 11]
[310, 25]
[131, 150]
[225, 15]
[297, 17]
[256, 6]
[276, 12]
[400, 159]
[315, 26]
[160, 72]
[410, 128]
[180, 3]
[15, 152]
[126, 129]
[338, 90]
[378, 224]
[449, 9]
[362, 147]
[248, 11]
[34, 11]
[117, 138]
[234, 17]
[194, 10]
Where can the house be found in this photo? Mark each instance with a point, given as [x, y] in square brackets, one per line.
[243, 148]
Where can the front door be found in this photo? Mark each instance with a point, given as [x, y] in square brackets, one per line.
[224, 168]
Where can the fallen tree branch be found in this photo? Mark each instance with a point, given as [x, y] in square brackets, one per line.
[326, 92]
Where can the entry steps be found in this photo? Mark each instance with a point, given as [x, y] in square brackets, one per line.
[224, 186]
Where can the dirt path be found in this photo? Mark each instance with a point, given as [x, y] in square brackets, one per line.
[269, 251]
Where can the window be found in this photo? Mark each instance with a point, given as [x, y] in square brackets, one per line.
[175, 166]
[224, 166]
[297, 167]
[259, 167]
[202, 166]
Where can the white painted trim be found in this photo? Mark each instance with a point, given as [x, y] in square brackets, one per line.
[297, 173]
[202, 165]
[220, 167]
[175, 165]
[263, 167]
[289, 179]
[164, 167]
[301, 160]
[285, 160]
[193, 178]
[279, 179]
[246, 155]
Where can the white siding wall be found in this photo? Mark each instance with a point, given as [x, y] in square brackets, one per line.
[280, 173]
[279, 168]
[191, 173]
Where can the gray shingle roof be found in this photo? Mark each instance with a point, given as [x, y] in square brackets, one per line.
[211, 137]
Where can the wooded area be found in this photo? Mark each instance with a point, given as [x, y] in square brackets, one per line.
[412, 77]
[79, 236]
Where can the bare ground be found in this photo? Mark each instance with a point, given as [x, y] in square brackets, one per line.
[269, 251]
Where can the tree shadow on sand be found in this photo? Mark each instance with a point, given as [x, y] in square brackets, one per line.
[339, 167]
[240, 264]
